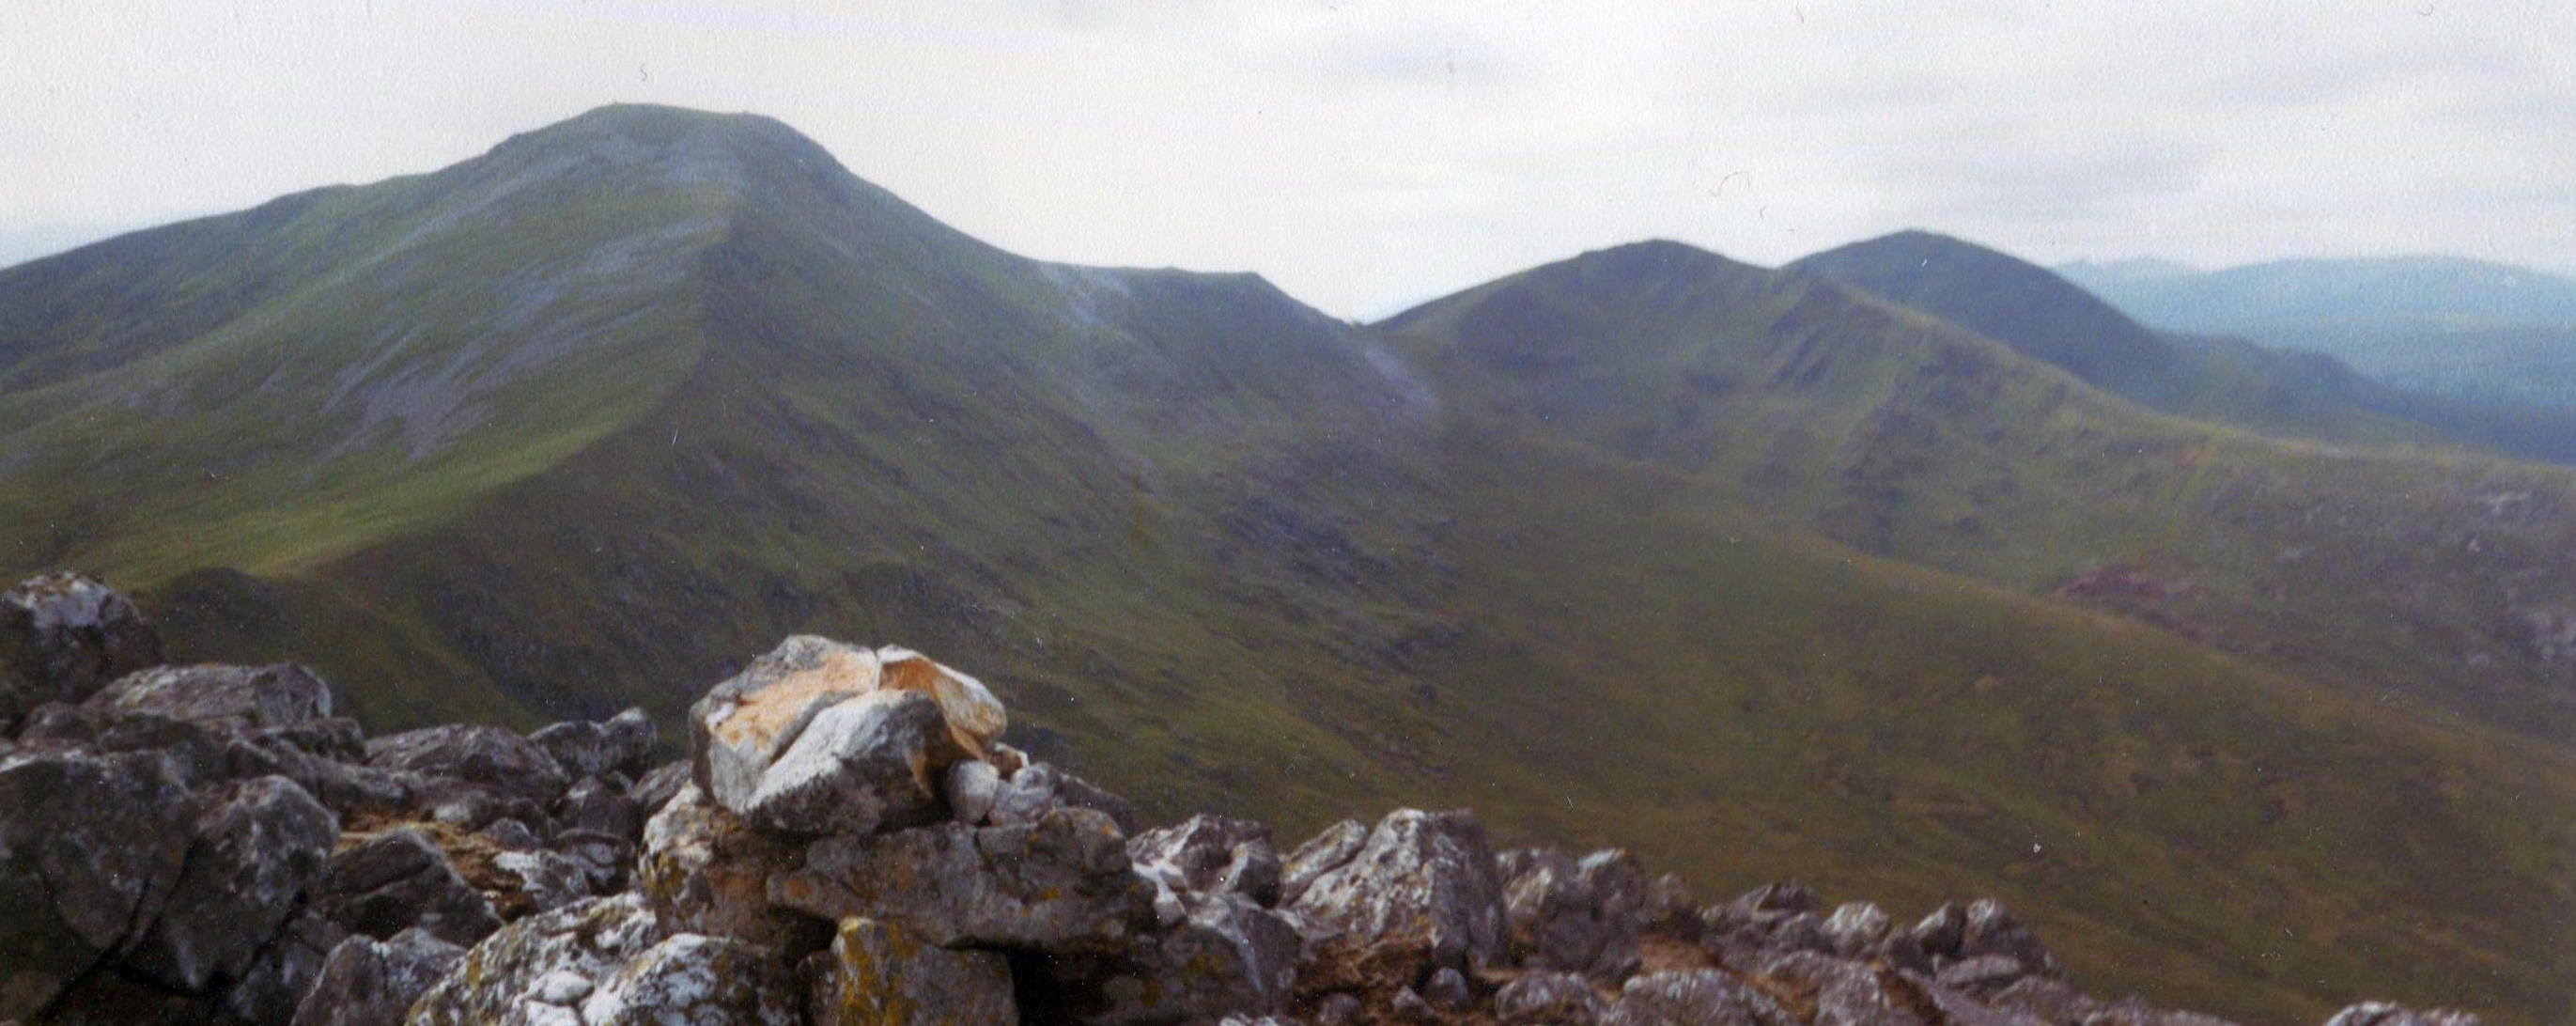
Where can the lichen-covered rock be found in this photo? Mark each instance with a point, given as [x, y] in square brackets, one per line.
[694, 980]
[1212, 853]
[1581, 916]
[90, 848]
[1423, 891]
[390, 882]
[878, 974]
[1547, 998]
[283, 971]
[259, 848]
[64, 636]
[708, 871]
[240, 697]
[975, 718]
[1061, 884]
[1228, 955]
[1321, 854]
[485, 758]
[620, 744]
[744, 724]
[659, 785]
[368, 982]
[1691, 997]
[540, 970]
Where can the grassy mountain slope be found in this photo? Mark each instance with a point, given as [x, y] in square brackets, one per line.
[2466, 329]
[1747, 570]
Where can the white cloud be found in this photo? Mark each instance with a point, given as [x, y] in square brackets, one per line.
[1363, 154]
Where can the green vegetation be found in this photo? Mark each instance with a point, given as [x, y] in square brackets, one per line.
[1748, 570]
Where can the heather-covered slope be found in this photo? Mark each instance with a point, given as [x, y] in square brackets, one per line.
[1746, 570]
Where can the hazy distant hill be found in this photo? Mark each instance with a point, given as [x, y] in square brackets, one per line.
[2457, 327]
[1765, 574]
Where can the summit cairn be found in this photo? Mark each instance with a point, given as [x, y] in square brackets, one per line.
[848, 842]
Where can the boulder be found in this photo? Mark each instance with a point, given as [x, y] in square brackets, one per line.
[745, 723]
[1422, 892]
[258, 849]
[485, 758]
[975, 718]
[368, 982]
[1856, 928]
[1983, 974]
[1228, 955]
[1038, 788]
[90, 849]
[1581, 916]
[863, 765]
[708, 871]
[1212, 853]
[1842, 993]
[657, 787]
[283, 972]
[608, 962]
[597, 805]
[1546, 998]
[622, 744]
[239, 697]
[1942, 931]
[877, 974]
[1692, 997]
[64, 636]
[1321, 854]
[1990, 930]
[384, 884]
[1062, 884]
[971, 787]
[1447, 990]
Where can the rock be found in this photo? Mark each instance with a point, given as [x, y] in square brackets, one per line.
[1843, 993]
[1062, 884]
[622, 744]
[1409, 1006]
[745, 723]
[199, 755]
[709, 873]
[367, 982]
[64, 636]
[1337, 1009]
[549, 879]
[2049, 1000]
[1546, 998]
[89, 851]
[1670, 908]
[1951, 1008]
[608, 961]
[1422, 892]
[594, 804]
[655, 789]
[1982, 974]
[970, 787]
[876, 974]
[512, 835]
[1856, 928]
[259, 847]
[1801, 931]
[284, 971]
[1579, 916]
[1943, 930]
[1039, 788]
[1901, 951]
[1211, 853]
[399, 879]
[694, 980]
[2381, 1013]
[488, 758]
[239, 697]
[863, 765]
[1693, 997]
[1784, 898]
[975, 718]
[1447, 990]
[1321, 854]
[1990, 930]
[1227, 956]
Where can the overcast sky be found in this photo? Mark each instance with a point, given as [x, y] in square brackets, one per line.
[1363, 155]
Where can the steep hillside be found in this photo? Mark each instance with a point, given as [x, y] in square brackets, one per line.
[2467, 329]
[1749, 570]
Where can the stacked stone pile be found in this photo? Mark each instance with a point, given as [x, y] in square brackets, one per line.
[848, 841]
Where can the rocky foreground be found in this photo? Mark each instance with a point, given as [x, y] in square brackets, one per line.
[848, 842]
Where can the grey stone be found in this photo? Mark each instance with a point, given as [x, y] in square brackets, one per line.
[2382, 1013]
[1942, 931]
[695, 980]
[64, 636]
[1856, 927]
[368, 982]
[90, 847]
[971, 786]
[258, 848]
[1447, 990]
[1228, 955]
[1209, 853]
[1321, 854]
[239, 697]
[488, 758]
[1549, 998]
[1692, 997]
[595, 804]
[398, 879]
[708, 871]
[1062, 884]
[1582, 916]
[858, 767]
[1990, 930]
[1423, 889]
[876, 974]
[621, 744]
